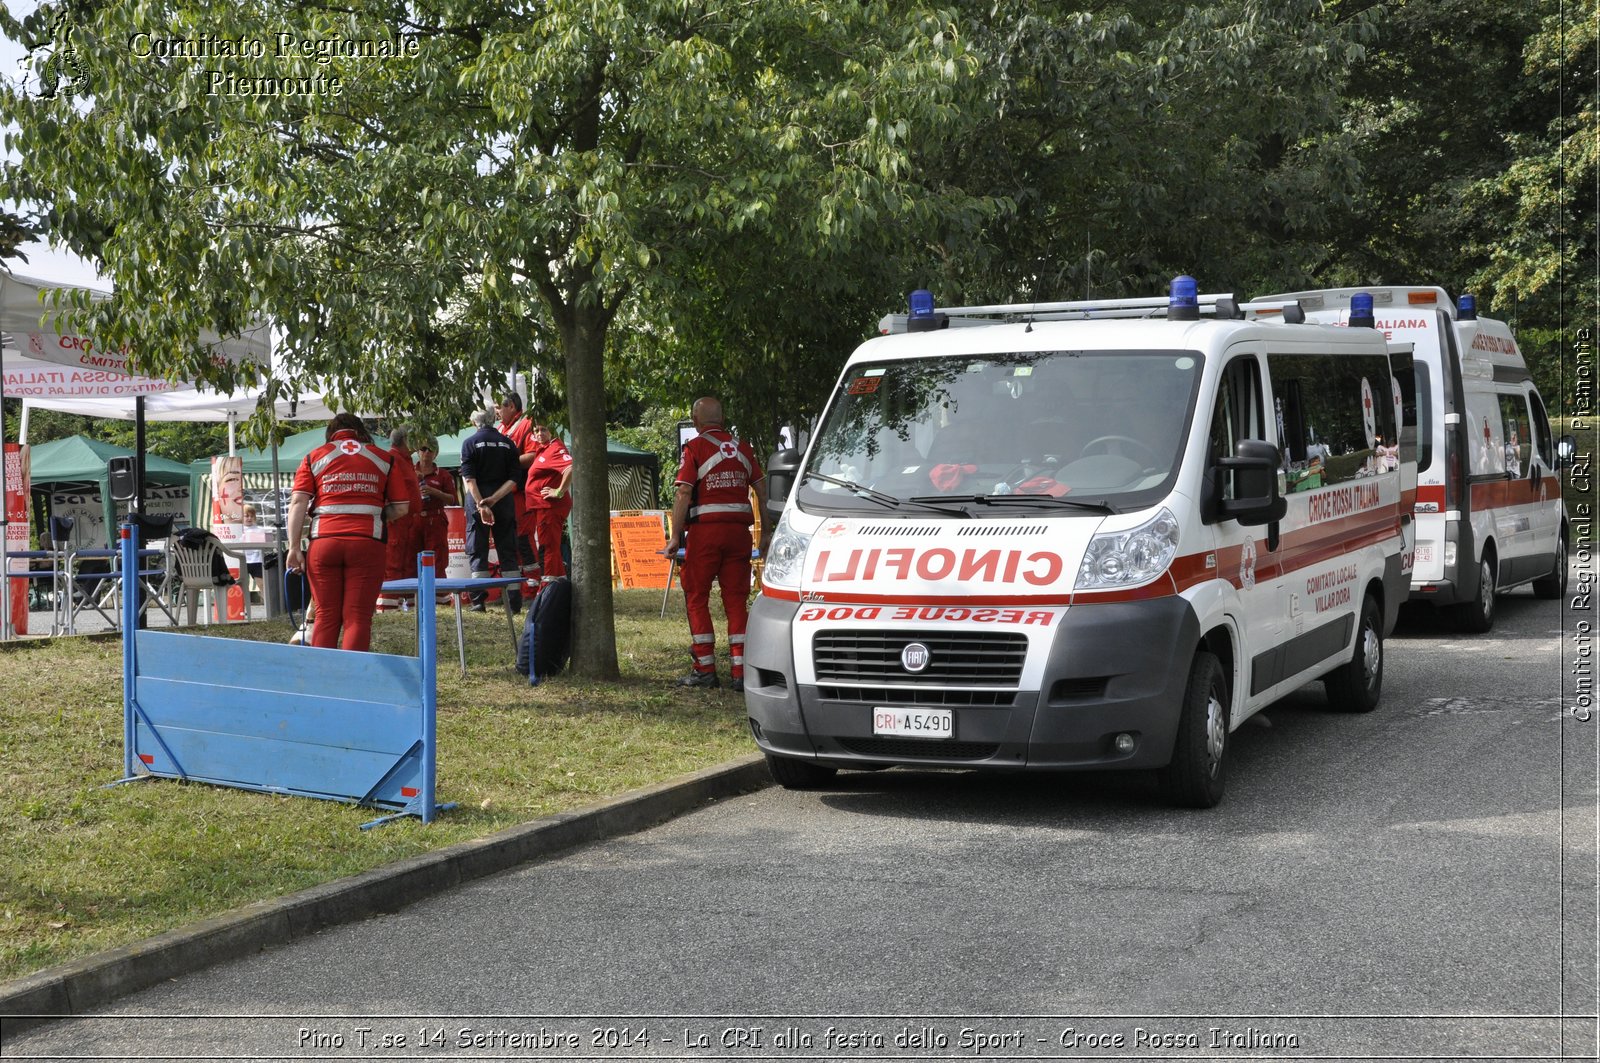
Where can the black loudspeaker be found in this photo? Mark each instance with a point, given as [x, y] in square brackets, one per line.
[124, 479]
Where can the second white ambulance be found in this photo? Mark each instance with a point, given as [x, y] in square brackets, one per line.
[1489, 511]
[1069, 535]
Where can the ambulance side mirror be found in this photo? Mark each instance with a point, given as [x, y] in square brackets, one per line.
[1254, 472]
[782, 468]
[1566, 447]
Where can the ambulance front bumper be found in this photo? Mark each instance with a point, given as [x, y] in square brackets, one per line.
[1112, 669]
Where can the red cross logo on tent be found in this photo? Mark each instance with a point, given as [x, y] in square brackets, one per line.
[349, 446]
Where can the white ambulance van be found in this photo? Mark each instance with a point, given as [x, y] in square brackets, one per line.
[1489, 512]
[1073, 536]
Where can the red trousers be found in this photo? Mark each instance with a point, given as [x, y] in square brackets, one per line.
[405, 539]
[345, 577]
[719, 551]
[547, 534]
[436, 537]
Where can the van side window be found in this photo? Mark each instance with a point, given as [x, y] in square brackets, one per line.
[1541, 430]
[1239, 412]
[1337, 417]
[1517, 432]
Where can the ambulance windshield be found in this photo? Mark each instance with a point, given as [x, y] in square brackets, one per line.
[1047, 431]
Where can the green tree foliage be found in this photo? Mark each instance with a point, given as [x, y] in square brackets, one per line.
[512, 173]
[1141, 140]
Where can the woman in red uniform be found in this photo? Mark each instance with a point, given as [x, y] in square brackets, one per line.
[549, 498]
[438, 491]
[349, 487]
[404, 533]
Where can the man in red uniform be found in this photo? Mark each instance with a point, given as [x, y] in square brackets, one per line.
[350, 487]
[405, 533]
[712, 503]
[518, 428]
[549, 498]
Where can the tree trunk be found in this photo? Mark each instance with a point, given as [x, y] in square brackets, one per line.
[594, 640]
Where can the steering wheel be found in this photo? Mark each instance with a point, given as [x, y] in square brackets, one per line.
[1124, 443]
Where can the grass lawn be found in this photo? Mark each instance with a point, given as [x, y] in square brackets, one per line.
[87, 868]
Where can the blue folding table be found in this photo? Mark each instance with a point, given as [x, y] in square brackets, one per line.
[458, 587]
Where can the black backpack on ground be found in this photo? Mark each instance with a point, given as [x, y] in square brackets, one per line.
[547, 630]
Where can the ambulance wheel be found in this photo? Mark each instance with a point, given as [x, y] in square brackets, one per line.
[1199, 768]
[1356, 685]
[1555, 584]
[1477, 616]
[794, 774]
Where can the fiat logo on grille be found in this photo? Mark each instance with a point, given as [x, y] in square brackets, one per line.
[914, 658]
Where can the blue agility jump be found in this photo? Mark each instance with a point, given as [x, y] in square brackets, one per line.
[332, 724]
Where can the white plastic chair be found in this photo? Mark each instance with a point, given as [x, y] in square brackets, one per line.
[193, 567]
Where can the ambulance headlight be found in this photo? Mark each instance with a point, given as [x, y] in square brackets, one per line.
[1127, 558]
[786, 553]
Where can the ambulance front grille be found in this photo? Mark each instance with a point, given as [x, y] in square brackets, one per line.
[969, 658]
[988, 699]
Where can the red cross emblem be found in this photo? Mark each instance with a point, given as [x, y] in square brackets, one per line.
[349, 446]
[835, 529]
[729, 449]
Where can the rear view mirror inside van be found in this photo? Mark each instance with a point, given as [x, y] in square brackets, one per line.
[1253, 473]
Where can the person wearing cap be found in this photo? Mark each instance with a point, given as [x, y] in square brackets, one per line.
[349, 488]
[711, 519]
[549, 498]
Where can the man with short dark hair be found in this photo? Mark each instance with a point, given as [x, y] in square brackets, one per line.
[490, 469]
[519, 429]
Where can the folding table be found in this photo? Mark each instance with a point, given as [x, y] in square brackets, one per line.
[458, 587]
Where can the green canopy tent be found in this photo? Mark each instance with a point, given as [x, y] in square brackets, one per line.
[634, 475]
[78, 461]
[257, 466]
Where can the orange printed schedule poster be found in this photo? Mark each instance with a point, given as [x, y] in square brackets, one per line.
[637, 537]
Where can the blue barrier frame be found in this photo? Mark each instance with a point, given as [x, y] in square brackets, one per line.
[337, 725]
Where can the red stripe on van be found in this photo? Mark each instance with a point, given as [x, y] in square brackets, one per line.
[1433, 493]
[1517, 491]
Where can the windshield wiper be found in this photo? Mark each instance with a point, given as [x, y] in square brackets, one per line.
[1005, 500]
[883, 498]
[863, 490]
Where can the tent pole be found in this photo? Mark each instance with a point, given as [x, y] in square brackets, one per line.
[6, 633]
[138, 458]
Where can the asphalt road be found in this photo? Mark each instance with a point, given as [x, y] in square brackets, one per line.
[1417, 882]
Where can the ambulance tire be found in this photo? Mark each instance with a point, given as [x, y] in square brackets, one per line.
[792, 774]
[1356, 685]
[1477, 616]
[1198, 771]
[1555, 584]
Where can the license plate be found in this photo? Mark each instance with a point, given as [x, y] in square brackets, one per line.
[914, 723]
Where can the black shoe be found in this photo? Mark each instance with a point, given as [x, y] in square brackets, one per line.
[737, 685]
[707, 680]
[515, 602]
[476, 607]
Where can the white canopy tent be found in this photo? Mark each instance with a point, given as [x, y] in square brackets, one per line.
[50, 367]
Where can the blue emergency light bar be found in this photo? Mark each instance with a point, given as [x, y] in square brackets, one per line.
[1467, 308]
[1183, 304]
[1361, 315]
[923, 318]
